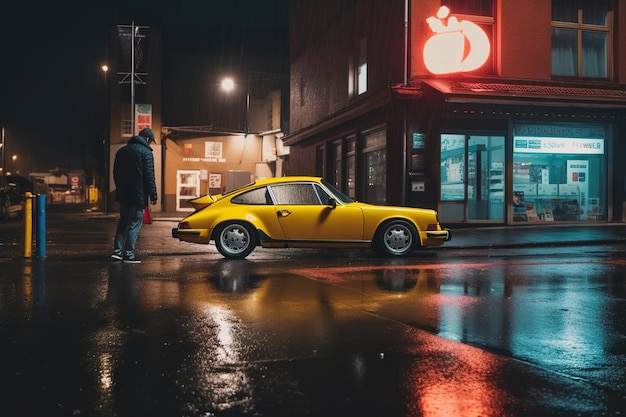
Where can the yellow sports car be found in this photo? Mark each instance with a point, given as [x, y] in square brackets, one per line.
[305, 212]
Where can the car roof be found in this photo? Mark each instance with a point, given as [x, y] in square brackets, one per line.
[272, 181]
[294, 178]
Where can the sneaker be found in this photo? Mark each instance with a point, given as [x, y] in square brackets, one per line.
[132, 260]
[116, 257]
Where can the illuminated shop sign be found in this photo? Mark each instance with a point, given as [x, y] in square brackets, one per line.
[529, 144]
[456, 45]
[560, 131]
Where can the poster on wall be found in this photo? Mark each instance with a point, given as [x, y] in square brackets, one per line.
[215, 180]
[143, 117]
[578, 179]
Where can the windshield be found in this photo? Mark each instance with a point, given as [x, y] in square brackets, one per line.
[338, 194]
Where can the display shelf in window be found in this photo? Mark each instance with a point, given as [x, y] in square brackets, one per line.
[496, 184]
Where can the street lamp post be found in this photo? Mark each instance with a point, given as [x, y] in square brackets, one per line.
[228, 85]
[106, 142]
[3, 145]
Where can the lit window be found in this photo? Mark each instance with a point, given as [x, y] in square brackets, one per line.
[361, 78]
[126, 121]
[581, 33]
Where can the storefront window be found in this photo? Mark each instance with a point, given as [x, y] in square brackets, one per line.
[559, 173]
[452, 167]
[472, 177]
[375, 155]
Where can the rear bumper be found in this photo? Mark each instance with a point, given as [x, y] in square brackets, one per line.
[192, 235]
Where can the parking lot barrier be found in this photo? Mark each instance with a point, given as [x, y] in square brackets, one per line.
[41, 226]
[34, 204]
[28, 225]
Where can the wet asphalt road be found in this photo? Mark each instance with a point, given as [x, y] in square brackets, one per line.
[306, 333]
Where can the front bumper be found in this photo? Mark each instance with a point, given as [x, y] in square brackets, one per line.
[444, 234]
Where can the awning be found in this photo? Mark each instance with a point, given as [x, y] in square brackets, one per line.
[523, 93]
[176, 133]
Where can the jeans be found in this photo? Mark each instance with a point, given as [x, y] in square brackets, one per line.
[131, 220]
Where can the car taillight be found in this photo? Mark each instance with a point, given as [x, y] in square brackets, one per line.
[184, 225]
[432, 227]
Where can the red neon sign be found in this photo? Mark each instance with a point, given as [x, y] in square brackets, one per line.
[445, 51]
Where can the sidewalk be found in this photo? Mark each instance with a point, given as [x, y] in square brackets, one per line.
[464, 236]
[539, 235]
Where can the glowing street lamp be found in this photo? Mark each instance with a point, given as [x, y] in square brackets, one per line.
[104, 180]
[228, 85]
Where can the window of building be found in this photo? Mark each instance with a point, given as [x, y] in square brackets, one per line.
[126, 120]
[350, 179]
[320, 161]
[472, 177]
[559, 173]
[375, 161]
[338, 172]
[452, 167]
[361, 78]
[581, 37]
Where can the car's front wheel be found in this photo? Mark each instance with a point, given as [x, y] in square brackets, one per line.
[396, 238]
[235, 240]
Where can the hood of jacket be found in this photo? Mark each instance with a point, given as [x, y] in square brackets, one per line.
[140, 140]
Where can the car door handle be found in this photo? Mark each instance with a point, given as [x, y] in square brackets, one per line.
[283, 213]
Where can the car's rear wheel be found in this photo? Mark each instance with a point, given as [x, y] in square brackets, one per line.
[235, 240]
[396, 238]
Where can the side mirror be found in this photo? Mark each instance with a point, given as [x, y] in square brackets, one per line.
[332, 202]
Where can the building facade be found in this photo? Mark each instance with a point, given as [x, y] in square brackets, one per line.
[203, 160]
[190, 161]
[490, 111]
[133, 99]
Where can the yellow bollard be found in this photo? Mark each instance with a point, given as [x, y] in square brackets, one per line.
[28, 225]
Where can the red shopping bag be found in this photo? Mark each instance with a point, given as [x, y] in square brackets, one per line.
[147, 217]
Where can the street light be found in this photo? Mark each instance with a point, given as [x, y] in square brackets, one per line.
[228, 85]
[104, 181]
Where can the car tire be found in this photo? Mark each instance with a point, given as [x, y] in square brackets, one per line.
[395, 238]
[235, 240]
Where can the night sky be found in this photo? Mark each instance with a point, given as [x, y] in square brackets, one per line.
[52, 91]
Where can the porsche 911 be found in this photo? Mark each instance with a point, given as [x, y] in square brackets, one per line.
[305, 212]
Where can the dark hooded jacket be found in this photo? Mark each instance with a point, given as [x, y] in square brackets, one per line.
[133, 172]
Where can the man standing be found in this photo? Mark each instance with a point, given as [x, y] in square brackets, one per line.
[133, 172]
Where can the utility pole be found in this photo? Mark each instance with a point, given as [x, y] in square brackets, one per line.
[3, 153]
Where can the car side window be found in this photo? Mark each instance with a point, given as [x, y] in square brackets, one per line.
[323, 195]
[259, 196]
[295, 194]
